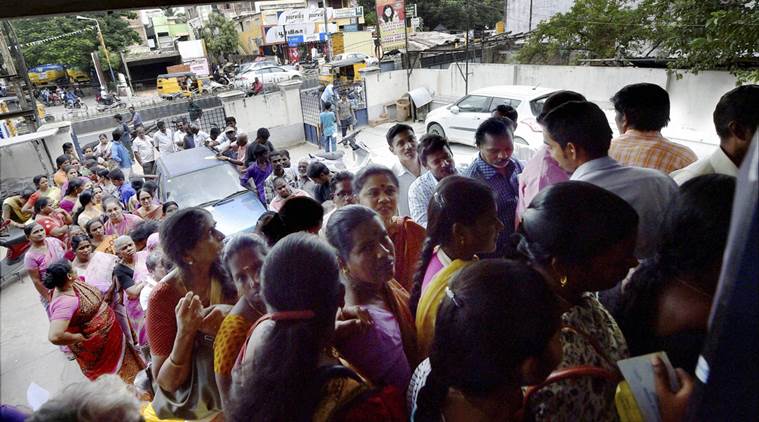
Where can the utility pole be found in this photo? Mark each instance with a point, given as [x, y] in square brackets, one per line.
[529, 22]
[466, 54]
[102, 44]
[408, 56]
[326, 31]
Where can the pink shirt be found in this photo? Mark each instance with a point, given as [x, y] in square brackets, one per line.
[63, 307]
[124, 227]
[37, 260]
[278, 201]
[540, 171]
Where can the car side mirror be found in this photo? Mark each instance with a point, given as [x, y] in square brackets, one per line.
[455, 109]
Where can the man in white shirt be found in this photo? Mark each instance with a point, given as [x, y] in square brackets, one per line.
[736, 118]
[578, 136]
[402, 143]
[437, 158]
[164, 139]
[179, 134]
[144, 151]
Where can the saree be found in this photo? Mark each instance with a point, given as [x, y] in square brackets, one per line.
[53, 194]
[396, 298]
[105, 351]
[408, 239]
[156, 214]
[15, 204]
[98, 271]
[429, 302]
[106, 245]
[50, 224]
[123, 227]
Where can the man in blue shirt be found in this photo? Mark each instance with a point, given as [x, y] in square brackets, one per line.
[328, 125]
[136, 119]
[123, 188]
[120, 153]
[495, 166]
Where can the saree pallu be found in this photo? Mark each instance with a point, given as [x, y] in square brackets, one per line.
[408, 239]
[107, 244]
[106, 350]
[396, 298]
[429, 302]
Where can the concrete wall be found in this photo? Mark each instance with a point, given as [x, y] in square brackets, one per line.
[278, 111]
[383, 88]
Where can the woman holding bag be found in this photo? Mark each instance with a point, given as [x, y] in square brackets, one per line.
[186, 310]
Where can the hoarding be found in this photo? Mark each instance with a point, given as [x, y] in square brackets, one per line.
[391, 17]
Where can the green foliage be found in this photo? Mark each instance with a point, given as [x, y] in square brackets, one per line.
[370, 14]
[456, 14]
[691, 35]
[592, 29]
[220, 35]
[74, 50]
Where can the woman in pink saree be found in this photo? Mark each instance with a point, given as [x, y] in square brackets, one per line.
[119, 223]
[130, 274]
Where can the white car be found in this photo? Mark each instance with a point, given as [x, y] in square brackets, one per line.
[459, 121]
[369, 60]
[268, 75]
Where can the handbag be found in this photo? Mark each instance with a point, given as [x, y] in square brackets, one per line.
[199, 397]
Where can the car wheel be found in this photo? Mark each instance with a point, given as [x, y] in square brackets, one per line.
[436, 129]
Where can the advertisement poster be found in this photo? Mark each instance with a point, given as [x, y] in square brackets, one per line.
[391, 17]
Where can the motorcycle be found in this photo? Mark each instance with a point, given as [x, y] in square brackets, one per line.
[76, 104]
[109, 101]
[335, 161]
[17, 243]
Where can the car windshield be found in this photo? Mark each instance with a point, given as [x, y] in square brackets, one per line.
[536, 105]
[198, 187]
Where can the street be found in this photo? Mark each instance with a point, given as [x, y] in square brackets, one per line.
[27, 356]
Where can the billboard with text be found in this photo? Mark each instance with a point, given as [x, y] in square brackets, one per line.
[391, 18]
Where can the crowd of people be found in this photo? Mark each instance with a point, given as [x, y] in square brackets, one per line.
[502, 290]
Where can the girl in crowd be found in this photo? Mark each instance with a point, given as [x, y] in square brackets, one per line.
[513, 318]
[666, 304]
[43, 252]
[104, 180]
[13, 209]
[297, 214]
[118, 223]
[81, 320]
[96, 231]
[377, 188]
[289, 372]
[243, 257]
[44, 190]
[158, 266]
[129, 273]
[386, 350]
[462, 222]
[191, 301]
[581, 238]
[55, 221]
[168, 208]
[90, 201]
[74, 188]
[149, 210]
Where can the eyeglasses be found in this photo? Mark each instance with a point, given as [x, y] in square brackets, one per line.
[344, 194]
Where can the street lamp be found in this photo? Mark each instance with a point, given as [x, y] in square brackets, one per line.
[102, 44]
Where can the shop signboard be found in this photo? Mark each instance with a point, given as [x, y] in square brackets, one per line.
[391, 18]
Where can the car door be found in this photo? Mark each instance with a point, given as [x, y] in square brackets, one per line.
[466, 116]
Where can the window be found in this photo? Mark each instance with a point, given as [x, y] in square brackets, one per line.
[507, 101]
[474, 104]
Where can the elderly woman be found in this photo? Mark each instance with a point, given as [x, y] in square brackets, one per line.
[43, 252]
[82, 320]
[44, 190]
[96, 231]
[129, 274]
[190, 302]
[118, 223]
[243, 257]
[582, 239]
[377, 188]
[386, 351]
[462, 222]
[55, 221]
[149, 209]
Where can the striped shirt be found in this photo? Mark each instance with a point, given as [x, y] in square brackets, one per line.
[650, 150]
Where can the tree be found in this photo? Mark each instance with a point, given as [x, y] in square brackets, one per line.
[220, 35]
[591, 29]
[74, 50]
[690, 35]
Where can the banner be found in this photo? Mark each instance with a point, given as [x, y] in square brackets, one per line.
[300, 16]
[391, 18]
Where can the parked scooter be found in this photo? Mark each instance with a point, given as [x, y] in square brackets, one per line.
[335, 161]
[76, 104]
[14, 239]
[109, 101]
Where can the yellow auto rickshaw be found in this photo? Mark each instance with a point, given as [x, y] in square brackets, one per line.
[173, 85]
[346, 71]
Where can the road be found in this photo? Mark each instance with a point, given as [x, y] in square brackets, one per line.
[62, 113]
[27, 356]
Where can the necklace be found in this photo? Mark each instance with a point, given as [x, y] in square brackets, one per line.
[694, 288]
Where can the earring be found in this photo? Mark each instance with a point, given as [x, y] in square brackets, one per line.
[563, 281]
[189, 262]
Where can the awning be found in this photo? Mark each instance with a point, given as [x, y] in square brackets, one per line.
[27, 137]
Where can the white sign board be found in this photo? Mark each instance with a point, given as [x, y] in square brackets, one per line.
[280, 5]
